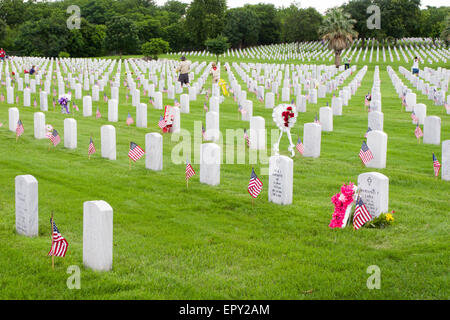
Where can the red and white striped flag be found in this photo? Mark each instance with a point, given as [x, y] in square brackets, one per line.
[98, 114]
[254, 185]
[189, 171]
[436, 166]
[365, 154]
[54, 137]
[418, 132]
[203, 132]
[135, 152]
[91, 149]
[414, 117]
[59, 244]
[162, 123]
[19, 128]
[129, 119]
[300, 148]
[361, 215]
[246, 137]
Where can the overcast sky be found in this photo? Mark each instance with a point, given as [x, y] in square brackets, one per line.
[320, 5]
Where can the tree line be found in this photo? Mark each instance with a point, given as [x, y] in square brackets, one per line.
[132, 26]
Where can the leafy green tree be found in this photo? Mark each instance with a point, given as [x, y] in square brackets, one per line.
[270, 24]
[177, 37]
[358, 11]
[445, 34]
[155, 47]
[148, 29]
[301, 24]
[242, 27]
[3, 27]
[121, 35]
[205, 19]
[217, 45]
[337, 29]
[176, 7]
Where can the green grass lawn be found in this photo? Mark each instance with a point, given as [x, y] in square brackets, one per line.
[209, 242]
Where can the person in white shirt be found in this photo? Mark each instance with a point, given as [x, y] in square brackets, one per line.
[183, 69]
[415, 67]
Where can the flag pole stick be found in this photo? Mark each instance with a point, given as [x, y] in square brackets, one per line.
[51, 250]
[129, 161]
[187, 183]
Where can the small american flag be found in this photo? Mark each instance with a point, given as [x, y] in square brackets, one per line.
[105, 98]
[404, 101]
[151, 101]
[91, 149]
[19, 128]
[418, 132]
[17, 99]
[246, 137]
[59, 244]
[98, 114]
[299, 146]
[254, 185]
[54, 137]
[414, 117]
[35, 103]
[189, 170]
[127, 96]
[162, 122]
[365, 154]
[54, 102]
[447, 107]
[76, 107]
[436, 166]
[205, 107]
[361, 215]
[293, 102]
[368, 130]
[129, 119]
[135, 152]
[316, 120]
[176, 103]
[203, 132]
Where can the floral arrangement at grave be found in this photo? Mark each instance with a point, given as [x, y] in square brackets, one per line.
[169, 117]
[64, 101]
[285, 117]
[382, 221]
[341, 202]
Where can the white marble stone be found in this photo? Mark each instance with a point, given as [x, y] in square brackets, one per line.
[286, 94]
[113, 110]
[26, 97]
[97, 235]
[410, 101]
[301, 103]
[212, 132]
[377, 143]
[136, 98]
[87, 106]
[445, 166]
[336, 106]
[43, 101]
[312, 138]
[176, 126]
[281, 174]
[432, 130]
[210, 159]
[421, 112]
[27, 216]
[326, 119]
[158, 102]
[248, 110]
[141, 115]
[376, 120]
[270, 100]
[257, 133]
[39, 125]
[192, 93]
[95, 93]
[374, 191]
[115, 93]
[13, 114]
[108, 142]
[10, 95]
[214, 104]
[154, 151]
[70, 133]
[184, 101]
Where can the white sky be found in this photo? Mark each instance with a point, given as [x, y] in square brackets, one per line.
[320, 5]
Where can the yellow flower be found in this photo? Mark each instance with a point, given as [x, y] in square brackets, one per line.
[389, 217]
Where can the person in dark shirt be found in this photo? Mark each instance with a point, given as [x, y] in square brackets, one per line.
[32, 71]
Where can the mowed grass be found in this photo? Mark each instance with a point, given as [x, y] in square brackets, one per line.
[210, 242]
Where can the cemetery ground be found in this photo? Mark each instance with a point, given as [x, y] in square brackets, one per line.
[207, 242]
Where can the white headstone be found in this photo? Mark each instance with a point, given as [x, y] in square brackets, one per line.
[10, 95]
[43, 101]
[39, 125]
[248, 110]
[154, 151]
[374, 191]
[214, 104]
[176, 125]
[301, 103]
[210, 159]
[27, 216]
[312, 138]
[377, 143]
[141, 115]
[95, 93]
[410, 101]
[336, 106]
[87, 106]
[158, 100]
[113, 110]
[257, 134]
[432, 130]
[421, 112]
[286, 94]
[184, 101]
[108, 142]
[281, 175]
[70, 133]
[445, 169]
[270, 100]
[26, 97]
[376, 120]
[212, 132]
[326, 119]
[13, 118]
[97, 235]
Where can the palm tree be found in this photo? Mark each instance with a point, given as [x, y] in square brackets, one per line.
[337, 29]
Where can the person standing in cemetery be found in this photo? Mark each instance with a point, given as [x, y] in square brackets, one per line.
[347, 63]
[415, 67]
[32, 70]
[184, 69]
[215, 72]
[2, 54]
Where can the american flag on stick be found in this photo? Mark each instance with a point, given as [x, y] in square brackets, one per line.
[129, 119]
[59, 243]
[436, 166]
[447, 107]
[205, 107]
[91, 149]
[418, 132]
[19, 129]
[300, 148]
[189, 171]
[316, 120]
[414, 117]
[98, 115]
[54, 137]
[361, 215]
[254, 185]
[365, 154]
[368, 130]
[203, 132]
[135, 152]
[162, 123]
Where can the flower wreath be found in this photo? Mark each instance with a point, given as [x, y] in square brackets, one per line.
[341, 202]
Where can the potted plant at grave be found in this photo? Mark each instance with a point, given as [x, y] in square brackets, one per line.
[64, 101]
